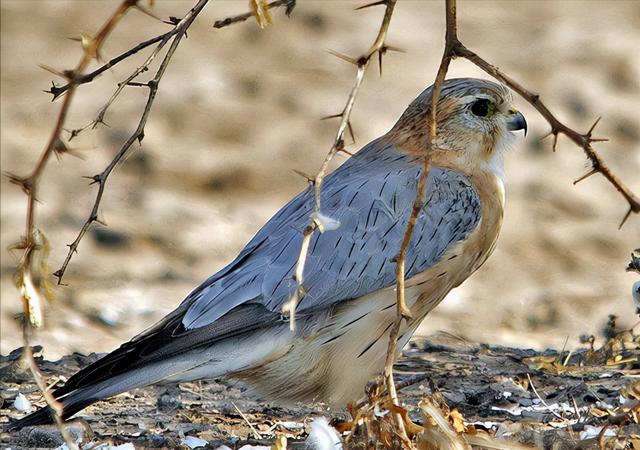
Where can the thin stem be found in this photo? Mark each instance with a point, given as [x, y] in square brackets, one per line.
[314, 225]
[288, 4]
[101, 179]
[89, 77]
[582, 140]
[91, 49]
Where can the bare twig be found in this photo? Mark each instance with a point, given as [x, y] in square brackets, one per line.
[533, 388]
[455, 48]
[30, 268]
[402, 311]
[91, 47]
[129, 80]
[288, 4]
[52, 403]
[57, 91]
[101, 179]
[378, 47]
[253, 429]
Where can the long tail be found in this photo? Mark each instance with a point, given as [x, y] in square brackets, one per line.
[45, 416]
[139, 362]
[78, 399]
[167, 352]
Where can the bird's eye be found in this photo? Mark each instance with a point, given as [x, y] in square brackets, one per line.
[483, 107]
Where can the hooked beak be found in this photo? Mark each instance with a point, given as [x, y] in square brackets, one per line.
[517, 122]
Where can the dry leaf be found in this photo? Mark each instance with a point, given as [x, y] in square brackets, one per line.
[280, 443]
[457, 421]
[260, 11]
[89, 45]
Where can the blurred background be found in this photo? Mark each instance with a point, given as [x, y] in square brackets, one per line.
[239, 110]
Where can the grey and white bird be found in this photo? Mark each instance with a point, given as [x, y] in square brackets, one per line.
[232, 325]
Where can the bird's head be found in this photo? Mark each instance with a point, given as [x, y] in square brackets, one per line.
[475, 122]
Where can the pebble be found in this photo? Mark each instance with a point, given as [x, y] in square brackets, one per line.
[22, 403]
[322, 436]
[193, 442]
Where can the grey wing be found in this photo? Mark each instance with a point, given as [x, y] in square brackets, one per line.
[371, 197]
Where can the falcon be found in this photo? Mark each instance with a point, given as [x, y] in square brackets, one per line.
[232, 325]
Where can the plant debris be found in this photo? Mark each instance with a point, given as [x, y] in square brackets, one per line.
[456, 394]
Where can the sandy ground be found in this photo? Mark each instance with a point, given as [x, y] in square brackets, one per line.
[239, 109]
[547, 400]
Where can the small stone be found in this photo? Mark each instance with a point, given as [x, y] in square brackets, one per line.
[22, 403]
[193, 442]
[525, 402]
[167, 401]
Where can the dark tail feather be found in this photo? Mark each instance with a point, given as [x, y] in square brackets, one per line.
[75, 395]
[45, 416]
[42, 416]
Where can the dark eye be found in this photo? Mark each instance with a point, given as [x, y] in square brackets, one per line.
[481, 107]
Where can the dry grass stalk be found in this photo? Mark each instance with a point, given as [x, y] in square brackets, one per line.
[31, 264]
[315, 224]
[175, 36]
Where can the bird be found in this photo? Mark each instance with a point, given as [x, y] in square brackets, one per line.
[232, 325]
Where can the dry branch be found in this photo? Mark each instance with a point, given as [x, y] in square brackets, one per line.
[91, 47]
[455, 48]
[288, 4]
[28, 269]
[57, 91]
[31, 274]
[378, 47]
[402, 311]
[100, 179]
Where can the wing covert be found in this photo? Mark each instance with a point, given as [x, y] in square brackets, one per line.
[371, 196]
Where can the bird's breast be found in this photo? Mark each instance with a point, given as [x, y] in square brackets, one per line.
[427, 289]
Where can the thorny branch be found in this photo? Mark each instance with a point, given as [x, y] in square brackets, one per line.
[100, 179]
[53, 404]
[179, 30]
[30, 279]
[454, 48]
[288, 4]
[57, 91]
[402, 311]
[315, 220]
